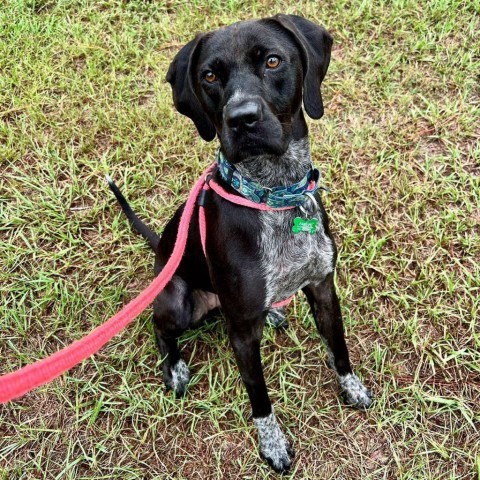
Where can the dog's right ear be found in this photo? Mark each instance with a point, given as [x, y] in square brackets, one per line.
[179, 76]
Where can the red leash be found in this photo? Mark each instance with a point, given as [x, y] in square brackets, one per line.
[19, 382]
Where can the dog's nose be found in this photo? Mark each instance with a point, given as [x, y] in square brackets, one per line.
[243, 115]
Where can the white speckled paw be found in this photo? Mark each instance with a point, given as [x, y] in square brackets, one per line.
[179, 377]
[274, 447]
[354, 393]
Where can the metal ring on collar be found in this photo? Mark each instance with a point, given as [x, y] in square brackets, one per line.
[314, 204]
[311, 196]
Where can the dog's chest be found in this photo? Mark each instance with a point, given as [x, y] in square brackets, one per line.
[292, 260]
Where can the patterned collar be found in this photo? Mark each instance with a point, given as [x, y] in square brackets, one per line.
[276, 197]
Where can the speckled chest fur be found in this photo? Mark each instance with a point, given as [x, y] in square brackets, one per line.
[289, 261]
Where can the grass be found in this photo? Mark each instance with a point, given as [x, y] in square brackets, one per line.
[82, 93]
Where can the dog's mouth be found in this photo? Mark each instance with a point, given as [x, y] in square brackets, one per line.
[266, 138]
[250, 129]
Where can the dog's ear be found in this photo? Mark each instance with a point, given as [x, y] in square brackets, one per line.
[179, 76]
[315, 45]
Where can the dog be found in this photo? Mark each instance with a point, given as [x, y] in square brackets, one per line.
[248, 84]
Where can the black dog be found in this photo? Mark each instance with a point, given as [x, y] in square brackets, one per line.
[245, 83]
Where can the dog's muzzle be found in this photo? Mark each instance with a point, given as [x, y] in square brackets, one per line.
[250, 129]
[243, 115]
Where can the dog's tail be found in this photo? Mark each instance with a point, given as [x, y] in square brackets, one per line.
[149, 235]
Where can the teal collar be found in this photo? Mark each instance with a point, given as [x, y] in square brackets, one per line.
[276, 197]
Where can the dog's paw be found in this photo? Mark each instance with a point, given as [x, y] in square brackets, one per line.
[354, 393]
[178, 378]
[274, 447]
[276, 318]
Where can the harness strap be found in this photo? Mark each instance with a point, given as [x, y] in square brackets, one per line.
[202, 223]
[242, 200]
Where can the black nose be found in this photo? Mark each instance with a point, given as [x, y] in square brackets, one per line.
[243, 115]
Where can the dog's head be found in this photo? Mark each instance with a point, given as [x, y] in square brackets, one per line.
[246, 82]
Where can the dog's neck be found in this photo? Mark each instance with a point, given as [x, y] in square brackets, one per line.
[279, 170]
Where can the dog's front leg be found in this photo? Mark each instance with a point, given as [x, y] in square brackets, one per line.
[328, 318]
[245, 334]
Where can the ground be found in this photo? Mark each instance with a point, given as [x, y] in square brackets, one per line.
[82, 93]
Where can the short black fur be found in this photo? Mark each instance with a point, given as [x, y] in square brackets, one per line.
[223, 82]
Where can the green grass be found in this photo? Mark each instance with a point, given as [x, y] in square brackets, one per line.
[82, 93]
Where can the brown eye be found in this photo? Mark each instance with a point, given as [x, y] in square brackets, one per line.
[210, 77]
[273, 62]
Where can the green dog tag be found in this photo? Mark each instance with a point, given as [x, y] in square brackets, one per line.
[304, 225]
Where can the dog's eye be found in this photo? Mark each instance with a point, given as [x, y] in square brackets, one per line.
[273, 62]
[210, 77]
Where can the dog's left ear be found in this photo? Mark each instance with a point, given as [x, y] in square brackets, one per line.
[179, 76]
[315, 45]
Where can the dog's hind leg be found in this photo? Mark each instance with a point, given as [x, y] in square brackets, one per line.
[328, 318]
[174, 310]
[172, 315]
[276, 318]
